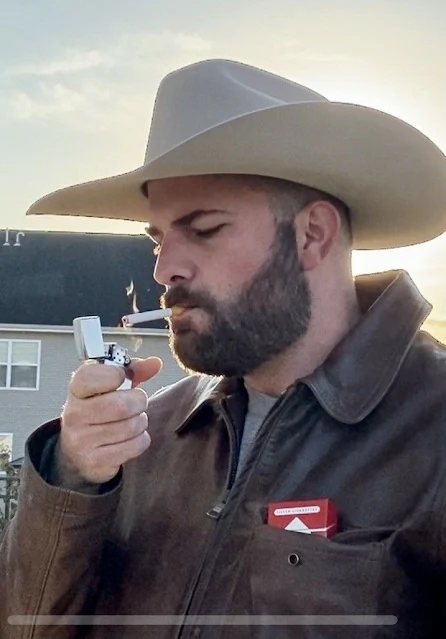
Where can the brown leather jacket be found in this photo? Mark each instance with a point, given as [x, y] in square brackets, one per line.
[367, 429]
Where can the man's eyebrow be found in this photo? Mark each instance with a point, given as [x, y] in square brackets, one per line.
[185, 220]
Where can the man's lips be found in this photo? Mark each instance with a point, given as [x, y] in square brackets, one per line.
[179, 309]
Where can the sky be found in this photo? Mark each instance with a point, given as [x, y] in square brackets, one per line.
[78, 81]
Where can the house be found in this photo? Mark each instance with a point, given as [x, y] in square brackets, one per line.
[48, 279]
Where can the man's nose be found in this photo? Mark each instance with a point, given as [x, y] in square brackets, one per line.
[173, 263]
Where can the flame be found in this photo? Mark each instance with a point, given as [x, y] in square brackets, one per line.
[130, 290]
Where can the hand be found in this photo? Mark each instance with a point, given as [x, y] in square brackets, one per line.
[101, 427]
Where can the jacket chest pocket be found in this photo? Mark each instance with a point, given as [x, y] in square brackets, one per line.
[311, 578]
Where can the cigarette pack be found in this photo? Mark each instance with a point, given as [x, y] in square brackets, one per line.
[313, 516]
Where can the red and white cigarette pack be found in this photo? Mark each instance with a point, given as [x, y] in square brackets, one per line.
[311, 516]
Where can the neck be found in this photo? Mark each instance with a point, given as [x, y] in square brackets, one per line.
[310, 351]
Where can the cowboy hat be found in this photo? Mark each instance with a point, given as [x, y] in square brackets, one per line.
[224, 117]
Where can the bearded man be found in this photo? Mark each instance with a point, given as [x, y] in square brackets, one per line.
[309, 391]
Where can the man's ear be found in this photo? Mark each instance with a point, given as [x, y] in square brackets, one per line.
[318, 227]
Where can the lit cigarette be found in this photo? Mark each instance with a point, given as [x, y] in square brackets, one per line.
[147, 316]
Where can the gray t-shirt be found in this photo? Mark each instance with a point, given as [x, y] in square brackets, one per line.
[258, 407]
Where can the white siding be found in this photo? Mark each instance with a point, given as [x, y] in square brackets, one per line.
[22, 411]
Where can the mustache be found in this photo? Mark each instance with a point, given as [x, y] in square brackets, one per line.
[181, 296]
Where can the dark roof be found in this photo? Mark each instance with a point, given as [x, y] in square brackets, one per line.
[52, 277]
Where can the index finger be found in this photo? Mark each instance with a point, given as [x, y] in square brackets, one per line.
[93, 378]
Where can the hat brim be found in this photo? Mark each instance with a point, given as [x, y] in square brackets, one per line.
[392, 177]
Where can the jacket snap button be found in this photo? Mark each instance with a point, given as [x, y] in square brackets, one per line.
[293, 559]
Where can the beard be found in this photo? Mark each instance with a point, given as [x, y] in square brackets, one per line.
[270, 314]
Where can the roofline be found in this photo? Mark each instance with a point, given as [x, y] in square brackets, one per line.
[108, 330]
[129, 233]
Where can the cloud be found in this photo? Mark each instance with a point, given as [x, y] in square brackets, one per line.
[102, 87]
[72, 61]
[55, 99]
[127, 51]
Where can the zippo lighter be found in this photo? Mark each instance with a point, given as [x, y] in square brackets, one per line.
[90, 345]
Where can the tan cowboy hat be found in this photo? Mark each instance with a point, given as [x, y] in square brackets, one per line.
[220, 116]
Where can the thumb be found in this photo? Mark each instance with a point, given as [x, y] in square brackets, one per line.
[142, 370]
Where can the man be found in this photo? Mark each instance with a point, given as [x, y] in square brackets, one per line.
[161, 517]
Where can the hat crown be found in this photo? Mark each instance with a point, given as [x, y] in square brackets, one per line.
[203, 95]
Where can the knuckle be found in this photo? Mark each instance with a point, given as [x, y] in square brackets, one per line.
[129, 403]
[71, 438]
[115, 406]
[138, 445]
[71, 413]
[146, 440]
[120, 405]
[93, 378]
[79, 378]
[141, 423]
[89, 459]
[136, 426]
[143, 398]
[80, 412]
[71, 441]
[142, 443]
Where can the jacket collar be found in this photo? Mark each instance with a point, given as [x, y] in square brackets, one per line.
[211, 392]
[361, 368]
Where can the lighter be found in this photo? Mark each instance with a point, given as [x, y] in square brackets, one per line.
[90, 345]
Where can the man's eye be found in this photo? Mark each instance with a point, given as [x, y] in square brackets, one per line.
[200, 233]
[208, 232]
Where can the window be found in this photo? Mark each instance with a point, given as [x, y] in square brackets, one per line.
[19, 364]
